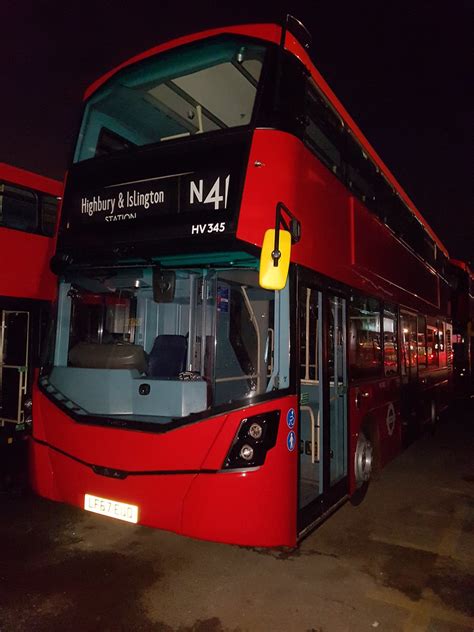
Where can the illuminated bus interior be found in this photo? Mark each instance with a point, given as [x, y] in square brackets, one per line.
[153, 345]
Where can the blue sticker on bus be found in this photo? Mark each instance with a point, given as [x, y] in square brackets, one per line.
[222, 299]
[291, 441]
[290, 418]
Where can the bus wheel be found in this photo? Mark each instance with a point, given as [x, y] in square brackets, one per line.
[363, 467]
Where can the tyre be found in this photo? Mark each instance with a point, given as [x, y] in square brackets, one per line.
[363, 467]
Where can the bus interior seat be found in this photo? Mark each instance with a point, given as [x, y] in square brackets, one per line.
[167, 358]
[89, 355]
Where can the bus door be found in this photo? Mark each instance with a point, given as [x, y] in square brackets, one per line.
[323, 403]
[409, 370]
[14, 340]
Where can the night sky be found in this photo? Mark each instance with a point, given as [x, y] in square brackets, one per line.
[402, 69]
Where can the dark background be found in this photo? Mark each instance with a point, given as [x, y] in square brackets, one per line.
[402, 69]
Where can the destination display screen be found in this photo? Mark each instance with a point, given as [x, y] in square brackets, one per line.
[164, 195]
[148, 202]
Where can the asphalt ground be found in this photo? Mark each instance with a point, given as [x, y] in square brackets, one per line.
[401, 561]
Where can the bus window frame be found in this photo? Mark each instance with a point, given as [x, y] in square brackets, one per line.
[38, 196]
[327, 127]
[264, 92]
[433, 325]
[421, 318]
[380, 373]
[442, 352]
[408, 370]
[394, 309]
[54, 225]
[14, 195]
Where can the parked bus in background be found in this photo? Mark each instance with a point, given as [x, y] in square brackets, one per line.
[463, 326]
[28, 215]
[252, 315]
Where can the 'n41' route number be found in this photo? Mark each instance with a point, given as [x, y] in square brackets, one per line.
[217, 194]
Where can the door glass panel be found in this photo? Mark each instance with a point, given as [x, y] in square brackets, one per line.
[337, 389]
[310, 409]
[323, 401]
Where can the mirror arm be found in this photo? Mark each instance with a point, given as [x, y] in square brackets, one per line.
[294, 228]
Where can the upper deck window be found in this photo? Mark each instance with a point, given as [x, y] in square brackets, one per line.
[323, 130]
[199, 88]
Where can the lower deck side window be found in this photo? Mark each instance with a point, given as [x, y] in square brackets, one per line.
[365, 348]
[390, 340]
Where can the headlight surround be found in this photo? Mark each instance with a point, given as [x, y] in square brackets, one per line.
[255, 437]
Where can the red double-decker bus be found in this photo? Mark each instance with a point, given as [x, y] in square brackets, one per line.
[463, 326]
[28, 215]
[197, 381]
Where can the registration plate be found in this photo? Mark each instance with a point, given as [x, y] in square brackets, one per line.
[111, 508]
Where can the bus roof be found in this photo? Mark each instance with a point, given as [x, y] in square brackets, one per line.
[21, 177]
[272, 33]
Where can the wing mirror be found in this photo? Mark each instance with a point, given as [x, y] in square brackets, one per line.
[276, 249]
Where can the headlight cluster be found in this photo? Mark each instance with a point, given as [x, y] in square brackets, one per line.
[256, 435]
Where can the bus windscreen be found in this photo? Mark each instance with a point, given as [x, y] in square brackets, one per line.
[126, 351]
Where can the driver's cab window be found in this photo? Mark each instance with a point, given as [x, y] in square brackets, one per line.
[216, 330]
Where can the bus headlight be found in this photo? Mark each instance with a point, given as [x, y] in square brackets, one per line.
[246, 452]
[256, 431]
[255, 437]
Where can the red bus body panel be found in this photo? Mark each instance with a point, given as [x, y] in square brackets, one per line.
[340, 238]
[31, 180]
[24, 257]
[24, 265]
[189, 495]
[376, 404]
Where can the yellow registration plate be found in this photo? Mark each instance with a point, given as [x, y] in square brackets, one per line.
[111, 508]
